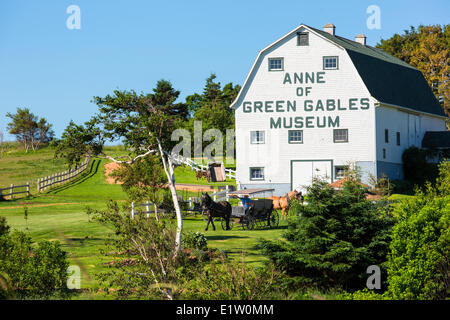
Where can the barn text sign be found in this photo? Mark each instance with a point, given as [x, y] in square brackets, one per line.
[306, 105]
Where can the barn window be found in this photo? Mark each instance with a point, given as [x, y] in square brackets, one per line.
[276, 64]
[295, 136]
[330, 63]
[257, 173]
[303, 39]
[384, 153]
[386, 135]
[340, 135]
[339, 171]
[256, 137]
[398, 138]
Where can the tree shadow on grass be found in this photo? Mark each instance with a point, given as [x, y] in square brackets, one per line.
[224, 237]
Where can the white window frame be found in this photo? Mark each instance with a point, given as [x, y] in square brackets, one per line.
[276, 69]
[295, 142]
[330, 68]
[254, 135]
[261, 178]
[335, 131]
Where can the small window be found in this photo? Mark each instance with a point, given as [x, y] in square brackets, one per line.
[276, 64]
[386, 135]
[398, 138]
[384, 153]
[330, 63]
[339, 171]
[303, 39]
[340, 135]
[295, 136]
[256, 173]
[256, 137]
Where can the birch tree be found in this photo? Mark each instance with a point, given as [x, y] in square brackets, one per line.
[143, 122]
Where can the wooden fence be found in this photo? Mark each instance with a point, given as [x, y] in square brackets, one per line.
[59, 178]
[12, 192]
[147, 206]
[229, 173]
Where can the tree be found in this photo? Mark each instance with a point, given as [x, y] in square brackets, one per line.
[212, 107]
[427, 49]
[333, 239]
[144, 122]
[419, 260]
[29, 129]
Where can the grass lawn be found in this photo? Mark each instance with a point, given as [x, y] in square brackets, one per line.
[60, 215]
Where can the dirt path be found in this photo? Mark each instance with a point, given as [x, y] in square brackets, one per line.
[110, 167]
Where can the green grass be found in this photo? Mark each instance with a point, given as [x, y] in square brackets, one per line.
[60, 214]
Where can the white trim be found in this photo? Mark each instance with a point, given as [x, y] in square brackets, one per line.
[270, 46]
[406, 109]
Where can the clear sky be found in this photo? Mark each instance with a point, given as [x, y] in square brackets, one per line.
[55, 71]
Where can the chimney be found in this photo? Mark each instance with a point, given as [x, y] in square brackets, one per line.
[329, 28]
[360, 38]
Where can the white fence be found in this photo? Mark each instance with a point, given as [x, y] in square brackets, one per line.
[229, 173]
[59, 178]
[12, 192]
[148, 211]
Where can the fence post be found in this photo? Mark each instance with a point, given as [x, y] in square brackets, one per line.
[148, 209]
[28, 188]
[12, 190]
[227, 188]
[132, 210]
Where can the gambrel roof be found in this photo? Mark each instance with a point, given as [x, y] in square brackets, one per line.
[389, 80]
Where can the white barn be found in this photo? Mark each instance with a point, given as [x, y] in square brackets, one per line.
[313, 102]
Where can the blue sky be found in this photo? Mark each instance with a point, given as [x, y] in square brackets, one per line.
[131, 44]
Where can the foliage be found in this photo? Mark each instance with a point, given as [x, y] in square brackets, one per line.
[39, 270]
[416, 167]
[212, 107]
[145, 262]
[29, 129]
[333, 239]
[418, 266]
[427, 49]
[196, 240]
[142, 179]
[224, 279]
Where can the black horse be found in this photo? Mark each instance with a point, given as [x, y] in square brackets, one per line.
[216, 209]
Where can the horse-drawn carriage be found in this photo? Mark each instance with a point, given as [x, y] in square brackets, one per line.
[260, 214]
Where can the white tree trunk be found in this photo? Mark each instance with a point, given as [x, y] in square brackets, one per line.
[168, 169]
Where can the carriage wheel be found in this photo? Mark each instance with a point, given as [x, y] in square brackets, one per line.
[274, 219]
[224, 224]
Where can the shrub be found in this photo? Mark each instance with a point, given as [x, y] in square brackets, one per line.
[33, 270]
[195, 240]
[333, 239]
[418, 265]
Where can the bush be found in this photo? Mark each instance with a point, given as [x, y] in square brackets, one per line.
[419, 265]
[33, 271]
[332, 240]
[195, 240]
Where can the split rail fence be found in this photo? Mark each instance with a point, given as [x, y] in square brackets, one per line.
[59, 178]
[12, 192]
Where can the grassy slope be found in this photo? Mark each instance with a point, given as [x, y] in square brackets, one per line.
[60, 215]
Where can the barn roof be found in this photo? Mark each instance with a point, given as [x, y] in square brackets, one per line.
[436, 139]
[389, 80]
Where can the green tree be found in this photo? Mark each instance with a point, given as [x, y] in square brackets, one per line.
[29, 130]
[419, 261]
[332, 240]
[31, 270]
[427, 49]
[212, 107]
[144, 122]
